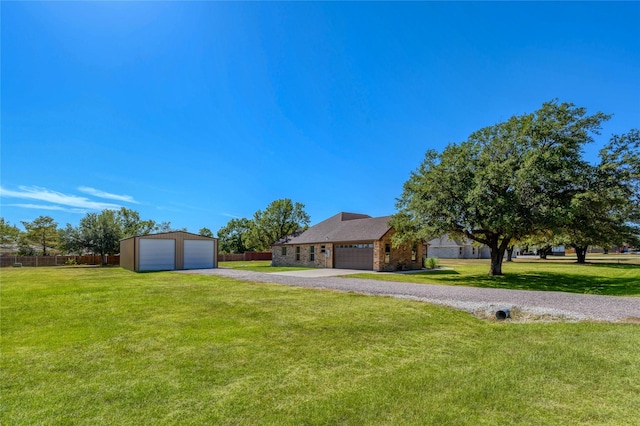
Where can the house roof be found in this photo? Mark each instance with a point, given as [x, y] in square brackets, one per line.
[343, 227]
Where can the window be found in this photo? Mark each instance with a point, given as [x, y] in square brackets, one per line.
[460, 251]
[387, 253]
[322, 249]
[312, 253]
[473, 250]
[298, 253]
[284, 251]
[414, 252]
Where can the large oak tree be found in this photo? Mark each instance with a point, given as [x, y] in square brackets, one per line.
[606, 211]
[504, 182]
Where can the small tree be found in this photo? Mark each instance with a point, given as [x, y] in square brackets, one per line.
[24, 246]
[166, 227]
[206, 232]
[101, 233]
[70, 240]
[42, 231]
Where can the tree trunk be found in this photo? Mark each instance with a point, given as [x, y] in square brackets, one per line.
[497, 254]
[510, 253]
[581, 253]
[496, 261]
[544, 252]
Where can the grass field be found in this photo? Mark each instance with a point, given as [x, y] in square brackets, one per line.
[258, 266]
[611, 279]
[108, 346]
[603, 275]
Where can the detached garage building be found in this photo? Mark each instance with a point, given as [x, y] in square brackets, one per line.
[168, 251]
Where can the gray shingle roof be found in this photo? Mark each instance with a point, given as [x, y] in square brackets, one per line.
[343, 227]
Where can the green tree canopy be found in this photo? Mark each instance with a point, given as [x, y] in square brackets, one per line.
[281, 218]
[606, 211]
[71, 240]
[43, 231]
[505, 182]
[101, 232]
[24, 246]
[131, 225]
[205, 232]
[8, 233]
[232, 236]
[167, 227]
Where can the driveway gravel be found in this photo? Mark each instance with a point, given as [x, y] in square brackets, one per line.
[524, 305]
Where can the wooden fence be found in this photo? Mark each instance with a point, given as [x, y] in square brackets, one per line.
[56, 260]
[9, 260]
[243, 257]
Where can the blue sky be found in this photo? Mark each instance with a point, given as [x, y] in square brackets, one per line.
[197, 112]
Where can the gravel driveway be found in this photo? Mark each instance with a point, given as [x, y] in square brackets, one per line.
[524, 305]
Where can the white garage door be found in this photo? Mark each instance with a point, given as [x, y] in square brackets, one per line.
[157, 255]
[198, 254]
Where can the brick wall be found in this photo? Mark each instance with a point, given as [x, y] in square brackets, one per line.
[400, 258]
[321, 260]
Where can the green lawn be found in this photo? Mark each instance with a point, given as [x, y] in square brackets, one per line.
[594, 278]
[258, 266]
[96, 346]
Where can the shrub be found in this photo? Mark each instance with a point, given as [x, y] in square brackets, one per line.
[431, 263]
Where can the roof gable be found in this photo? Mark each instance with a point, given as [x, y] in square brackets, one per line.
[343, 227]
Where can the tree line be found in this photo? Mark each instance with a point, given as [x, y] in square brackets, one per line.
[279, 219]
[100, 233]
[525, 181]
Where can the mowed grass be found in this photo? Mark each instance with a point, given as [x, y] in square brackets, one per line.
[258, 266]
[612, 279]
[107, 346]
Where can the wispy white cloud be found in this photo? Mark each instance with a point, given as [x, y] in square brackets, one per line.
[56, 198]
[102, 194]
[48, 207]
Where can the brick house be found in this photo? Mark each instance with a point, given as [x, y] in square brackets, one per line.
[348, 241]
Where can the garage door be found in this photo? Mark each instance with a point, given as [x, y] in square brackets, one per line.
[198, 254]
[354, 256]
[157, 255]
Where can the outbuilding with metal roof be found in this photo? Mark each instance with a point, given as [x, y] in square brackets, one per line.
[168, 251]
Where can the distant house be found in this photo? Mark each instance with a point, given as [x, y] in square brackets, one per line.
[447, 247]
[348, 241]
